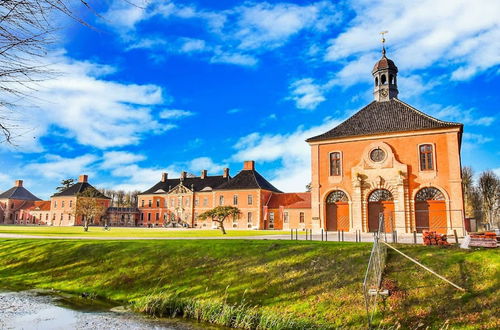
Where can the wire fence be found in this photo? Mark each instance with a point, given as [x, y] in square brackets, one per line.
[374, 271]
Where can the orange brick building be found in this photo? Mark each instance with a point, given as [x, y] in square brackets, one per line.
[15, 204]
[391, 159]
[178, 202]
[63, 204]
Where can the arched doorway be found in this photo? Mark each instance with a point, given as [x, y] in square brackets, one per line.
[430, 210]
[337, 211]
[380, 201]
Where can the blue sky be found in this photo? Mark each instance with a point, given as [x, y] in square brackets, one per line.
[192, 85]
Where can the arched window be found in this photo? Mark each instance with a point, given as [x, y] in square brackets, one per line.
[376, 81]
[336, 196]
[383, 79]
[426, 158]
[391, 79]
[380, 195]
[335, 164]
[429, 194]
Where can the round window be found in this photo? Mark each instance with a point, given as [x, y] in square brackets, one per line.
[377, 155]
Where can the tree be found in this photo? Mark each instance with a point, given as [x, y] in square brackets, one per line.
[65, 184]
[468, 187]
[88, 206]
[26, 29]
[489, 188]
[219, 214]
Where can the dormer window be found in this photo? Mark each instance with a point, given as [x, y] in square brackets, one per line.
[426, 157]
[335, 164]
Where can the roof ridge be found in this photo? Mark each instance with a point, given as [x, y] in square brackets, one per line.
[426, 115]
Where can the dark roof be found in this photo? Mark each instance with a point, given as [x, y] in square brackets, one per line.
[248, 179]
[384, 63]
[20, 193]
[384, 117]
[197, 183]
[78, 188]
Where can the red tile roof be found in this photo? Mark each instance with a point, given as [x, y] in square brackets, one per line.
[290, 201]
[41, 206]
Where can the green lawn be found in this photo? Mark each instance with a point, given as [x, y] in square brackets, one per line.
[132, 232]
[317, 281]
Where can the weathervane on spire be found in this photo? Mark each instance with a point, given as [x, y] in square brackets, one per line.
[383, 33]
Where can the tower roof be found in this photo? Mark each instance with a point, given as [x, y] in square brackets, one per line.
[384, 63]
[384, 117]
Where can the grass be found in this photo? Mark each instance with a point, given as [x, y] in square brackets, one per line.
[132, 232]
[266, 284]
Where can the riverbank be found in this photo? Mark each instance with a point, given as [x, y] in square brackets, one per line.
[312, 283]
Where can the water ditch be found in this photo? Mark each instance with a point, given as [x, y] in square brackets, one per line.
[35, 309]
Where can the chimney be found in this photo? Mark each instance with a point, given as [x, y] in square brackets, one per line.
[226, 173]
[249, 165]
[183, 175]
[203, 174]
[18, 183]
[164, 177]
[83, 178]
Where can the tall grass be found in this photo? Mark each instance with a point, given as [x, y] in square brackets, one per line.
[219, 312]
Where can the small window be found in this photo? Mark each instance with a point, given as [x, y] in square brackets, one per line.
[157, 216]
[250, 199]
[150, 203]
[221, 200]
[285, 217]
[149, 216]
[383, 79]
[426, 157]
[271, 217]
[376, 81]
[249, 217]
[301, 219]
[62, 204]
[172, 202]
[205, 201]
[142, 216]
[335, 164]
[70, 203]
[196, 201]
[157, 203]
[55, 204]
[142, 203]
[235, 200]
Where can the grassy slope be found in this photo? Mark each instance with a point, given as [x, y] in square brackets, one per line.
[319, 281]
[422, 297]
[131, 232]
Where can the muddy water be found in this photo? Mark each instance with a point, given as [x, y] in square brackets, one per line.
[37, 310]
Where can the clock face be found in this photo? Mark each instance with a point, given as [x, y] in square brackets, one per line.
[377, 155]
[384, 92]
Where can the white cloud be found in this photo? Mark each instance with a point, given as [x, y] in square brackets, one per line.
[424, 33]
[306, 94]
[82, 103]
[289, 150]
[205, 163]
[175, 114]
[233, 111]
[112, 159]
[464, 116]
[475, 139]
[56, 167]
[235, 35]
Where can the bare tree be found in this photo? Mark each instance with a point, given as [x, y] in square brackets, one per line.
[89, 206]
[489, 188]
[219, 214]
[26, 29]
[468, 186]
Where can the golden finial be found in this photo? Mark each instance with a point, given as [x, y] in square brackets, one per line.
[383, 33]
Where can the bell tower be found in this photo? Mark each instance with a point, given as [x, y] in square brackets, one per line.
[385, 77]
